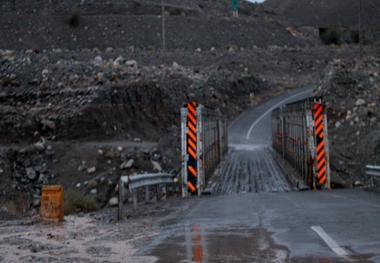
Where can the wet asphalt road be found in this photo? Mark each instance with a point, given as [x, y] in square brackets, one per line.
[254, 216]
[310, 226]
[252, 166]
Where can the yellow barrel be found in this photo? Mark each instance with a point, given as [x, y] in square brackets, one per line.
[52, 203]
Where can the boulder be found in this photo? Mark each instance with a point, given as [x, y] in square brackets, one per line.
[360, 102]
[98, 60]
[49, 124]
[127, 165]
[30, 173]
[91, 170]
[131, 64]
[114, 201]
[39, 146]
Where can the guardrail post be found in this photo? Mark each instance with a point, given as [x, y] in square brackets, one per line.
[134, 193]
[146, 194]
[220, 139]
[158, 197]
[167, 188]
[120, 203]
[282, 121]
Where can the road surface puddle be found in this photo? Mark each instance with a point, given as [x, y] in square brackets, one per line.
[197, 243]
[194, 242]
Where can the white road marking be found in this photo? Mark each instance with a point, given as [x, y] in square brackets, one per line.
[330, 242]
[274, 107]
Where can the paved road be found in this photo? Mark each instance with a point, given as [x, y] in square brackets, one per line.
[253, 127]
[252, 165]
[308, 226]
[244, 221]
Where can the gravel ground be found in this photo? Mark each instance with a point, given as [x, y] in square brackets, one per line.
[92, 237]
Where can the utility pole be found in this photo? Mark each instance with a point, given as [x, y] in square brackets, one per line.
[360, 29]
[163, 27]
[316, 22]
[317, 36]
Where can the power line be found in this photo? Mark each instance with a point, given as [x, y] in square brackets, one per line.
[378, 8]
[378, 1]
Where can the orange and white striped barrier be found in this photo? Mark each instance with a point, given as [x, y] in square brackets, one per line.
[204, 143]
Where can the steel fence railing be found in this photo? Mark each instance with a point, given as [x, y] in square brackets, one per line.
[204, 144]
[299, 134]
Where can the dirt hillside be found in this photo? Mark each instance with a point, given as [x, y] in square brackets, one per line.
[88, 94]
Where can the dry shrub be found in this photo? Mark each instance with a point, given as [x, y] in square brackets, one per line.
[232, 47]
[6, 81]
[332, 35]
[151, 48]
[75, 202]
[12, 207]
[74, 17]
[92, 184]
[19, 205]
[369, 113]
[355, 35]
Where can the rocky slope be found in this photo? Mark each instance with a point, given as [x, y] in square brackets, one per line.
[351, 90]
[82, 105]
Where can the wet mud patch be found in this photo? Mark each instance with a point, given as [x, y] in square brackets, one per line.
[99, 251]
[77, 239]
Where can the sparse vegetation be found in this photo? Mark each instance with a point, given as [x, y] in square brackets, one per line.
[151, 48]
[232, 47]
[331, 35]
[355, 36]
[92, 184]
[75, 202]
[74, 17]
[11, 207]
[369, 113]
[18, 205]
[6, 81]
[272, 47]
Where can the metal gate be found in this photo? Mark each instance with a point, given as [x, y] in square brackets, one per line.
[204, 143]
[299, 134]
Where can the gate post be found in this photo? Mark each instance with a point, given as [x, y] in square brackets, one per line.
[321, 145]
[327, 149]
[200, 173]
[184, 151]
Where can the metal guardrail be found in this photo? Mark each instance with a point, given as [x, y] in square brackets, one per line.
[133, 182]
[372, 171]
